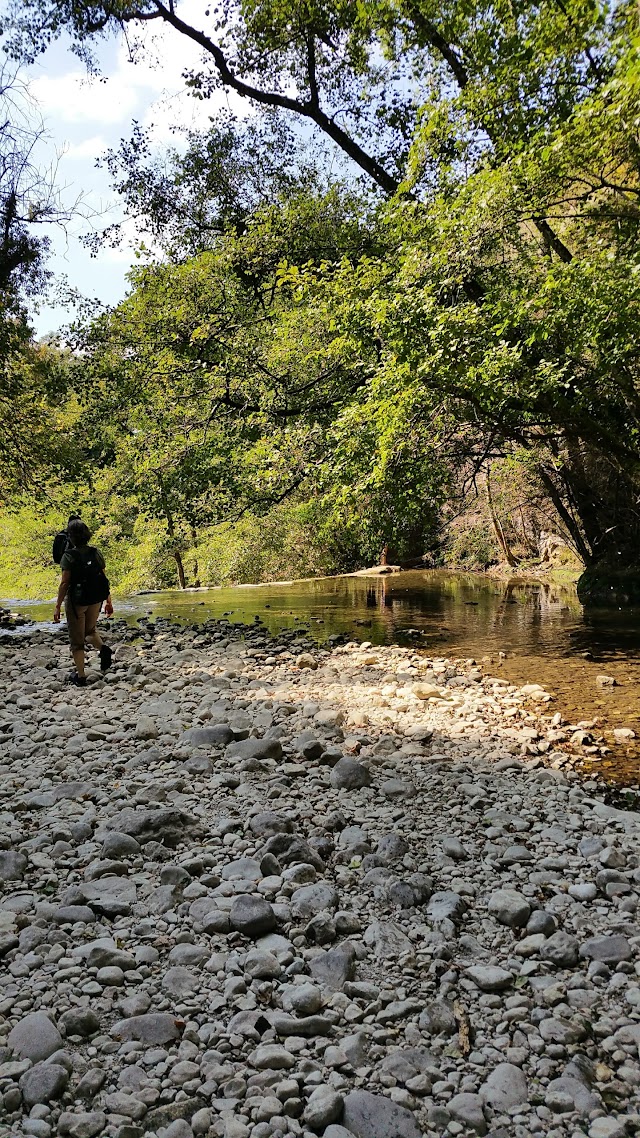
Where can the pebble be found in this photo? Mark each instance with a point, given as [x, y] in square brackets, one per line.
[245, 897]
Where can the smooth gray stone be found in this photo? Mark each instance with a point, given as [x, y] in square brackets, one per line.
[252, 916]
[324, 1106]
[245, 868]
[255, 749]
[12, 865]
[312, 899]
[374, 1116]
[560, 949]
[446, 905]
[218, 735]
[82, 1124]
[189, 954]
[80, 1021]
[303, 999]
[505, 1087]
[398, 788]
[179, 981]
[488, 977]
[165, 825]
[515, 855]
[268, 823]
[8, 941]
[43, 1082]
[334, 967]
[35, 1037]
[509, 908]
[452, 847]
[607, 949]
[73, 914]
[467, 1109]
[103, 956]
[155, 1027]
[438, 1019]
[120, 845]
[272, 1057]
[90, 1084]
[541, 922]
[583, 1099]
[391, 847]
[112, 896]
[307, 1026]
[348, 774]
[261, 965]
[308, 745]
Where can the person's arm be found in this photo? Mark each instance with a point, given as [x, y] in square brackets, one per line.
[108, 604]
[63, 589]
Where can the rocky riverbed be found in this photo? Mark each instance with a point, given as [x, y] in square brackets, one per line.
[252, 888]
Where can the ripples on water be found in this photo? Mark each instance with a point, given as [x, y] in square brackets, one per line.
[540, 625]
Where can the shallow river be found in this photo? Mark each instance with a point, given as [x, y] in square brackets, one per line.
[541, 627]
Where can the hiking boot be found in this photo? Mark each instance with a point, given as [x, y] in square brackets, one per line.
[106, 657]
[79, 681]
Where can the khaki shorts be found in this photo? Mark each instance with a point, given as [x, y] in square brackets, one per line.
[81, 622]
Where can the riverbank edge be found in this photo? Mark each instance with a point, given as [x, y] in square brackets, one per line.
[504, 573]
[576, 751]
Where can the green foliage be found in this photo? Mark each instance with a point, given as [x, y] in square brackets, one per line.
[371, 359]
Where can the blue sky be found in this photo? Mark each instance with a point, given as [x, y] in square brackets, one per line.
[84, 116]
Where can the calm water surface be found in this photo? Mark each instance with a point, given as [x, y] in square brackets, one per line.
[541, 626]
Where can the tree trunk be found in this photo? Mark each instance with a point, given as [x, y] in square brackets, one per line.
[194, 539]
[171, 530]
[527, 541]
[495, 521]
[180, 568]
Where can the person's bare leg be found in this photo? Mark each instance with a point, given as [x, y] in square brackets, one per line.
[91, 631]
[76, 627]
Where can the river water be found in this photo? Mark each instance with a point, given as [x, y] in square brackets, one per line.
[539, 625]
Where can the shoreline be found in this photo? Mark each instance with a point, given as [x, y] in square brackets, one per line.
[503, 573]
[262, 887]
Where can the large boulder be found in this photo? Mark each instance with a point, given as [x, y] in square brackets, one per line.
[166, 825]
[35, 1037]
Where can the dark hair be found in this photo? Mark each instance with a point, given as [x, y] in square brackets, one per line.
[73, 518]
[78, 532]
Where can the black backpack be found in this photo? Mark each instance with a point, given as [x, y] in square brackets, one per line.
[60, 545]
[89, 584]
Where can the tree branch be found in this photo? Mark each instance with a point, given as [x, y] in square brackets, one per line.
[551, 239]
[309, 109]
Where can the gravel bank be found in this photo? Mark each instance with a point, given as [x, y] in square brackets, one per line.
[255, 889]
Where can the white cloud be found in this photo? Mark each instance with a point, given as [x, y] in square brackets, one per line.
[86, 116]
[90, 148]
[74, 98]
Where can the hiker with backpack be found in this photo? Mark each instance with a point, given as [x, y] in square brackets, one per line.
[83, 588]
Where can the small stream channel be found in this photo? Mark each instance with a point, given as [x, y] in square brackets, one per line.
[547, 636]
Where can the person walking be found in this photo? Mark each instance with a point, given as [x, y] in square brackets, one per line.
[83, 588]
